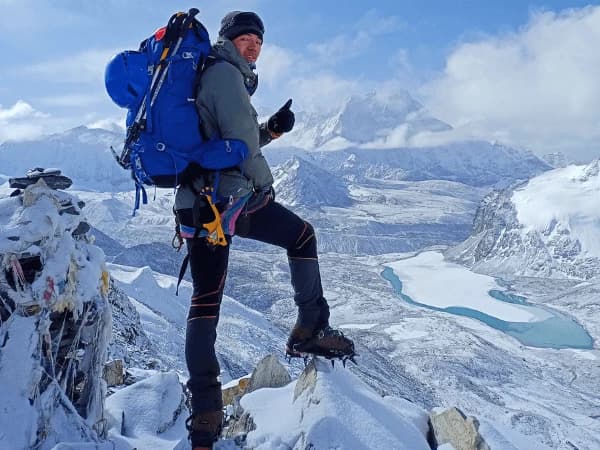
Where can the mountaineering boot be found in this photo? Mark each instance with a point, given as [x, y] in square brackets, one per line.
[327, 342]
[298, 335]
[204, 429]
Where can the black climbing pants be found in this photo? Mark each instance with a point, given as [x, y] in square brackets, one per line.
[273, 224]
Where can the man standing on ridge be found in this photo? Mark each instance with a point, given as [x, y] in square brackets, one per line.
[249, 211]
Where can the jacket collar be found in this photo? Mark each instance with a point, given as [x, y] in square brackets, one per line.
[224, 49]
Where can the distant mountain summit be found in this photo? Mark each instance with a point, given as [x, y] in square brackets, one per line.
[363, 118]
[548, 226]
[82, 153]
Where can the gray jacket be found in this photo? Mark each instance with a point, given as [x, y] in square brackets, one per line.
[225, 110]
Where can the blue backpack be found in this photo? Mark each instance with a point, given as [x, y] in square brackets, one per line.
[157, 84]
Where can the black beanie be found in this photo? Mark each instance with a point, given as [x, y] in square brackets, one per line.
[237, 23]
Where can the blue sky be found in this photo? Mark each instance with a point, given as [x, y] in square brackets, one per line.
[461, 59]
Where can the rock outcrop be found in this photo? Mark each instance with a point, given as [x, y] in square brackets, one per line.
[453, 427]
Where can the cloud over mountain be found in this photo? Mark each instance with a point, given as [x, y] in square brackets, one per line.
[537, 86]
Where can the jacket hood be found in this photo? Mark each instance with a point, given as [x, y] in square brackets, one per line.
[225, 49]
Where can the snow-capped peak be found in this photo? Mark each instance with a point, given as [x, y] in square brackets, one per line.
[548, 226]
[364, 118]
[564, 201]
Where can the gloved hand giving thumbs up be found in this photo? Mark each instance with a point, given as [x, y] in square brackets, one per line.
[282, 121]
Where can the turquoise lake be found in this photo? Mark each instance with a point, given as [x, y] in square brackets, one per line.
[557, 332]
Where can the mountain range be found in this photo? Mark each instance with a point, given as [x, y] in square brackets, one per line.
[489, 208]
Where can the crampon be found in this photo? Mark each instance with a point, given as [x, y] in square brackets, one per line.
[328, 343]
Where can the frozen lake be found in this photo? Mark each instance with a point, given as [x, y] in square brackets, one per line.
[427, 280]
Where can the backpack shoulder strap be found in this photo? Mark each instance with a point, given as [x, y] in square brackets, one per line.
[209, 61]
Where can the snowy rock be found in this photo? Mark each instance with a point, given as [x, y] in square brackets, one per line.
[129, 342]
[364, 118]
[238, 429]
[452, 426]
[474, 163]
[148, 413]
[232, 392]
[307, 380]
[113, 373]
[269, 373]
[334, 410]
[55, 324]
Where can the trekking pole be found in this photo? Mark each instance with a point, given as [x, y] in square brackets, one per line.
[174, 23]
[178, 23]
[187, 22]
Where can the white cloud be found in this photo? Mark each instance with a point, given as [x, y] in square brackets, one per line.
[341, 47]
[322, 92]
[19, 111]
[21, 121]
[112, 124]
[275, 64]
[537, 87]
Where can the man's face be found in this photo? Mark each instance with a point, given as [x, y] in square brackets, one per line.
[249, 46]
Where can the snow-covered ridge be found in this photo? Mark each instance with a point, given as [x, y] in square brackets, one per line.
[82, 153]
[548, 226]
[301, 183]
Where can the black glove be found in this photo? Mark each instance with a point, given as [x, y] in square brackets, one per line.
[283, 120]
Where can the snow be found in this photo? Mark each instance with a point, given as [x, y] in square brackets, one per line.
[18, 370]
[404, 331]
[244, 334]
[503, 437]
[569, 196]
[143, 285]
[429, 280]
[340, 411]
[149, 414]
[357, 326]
